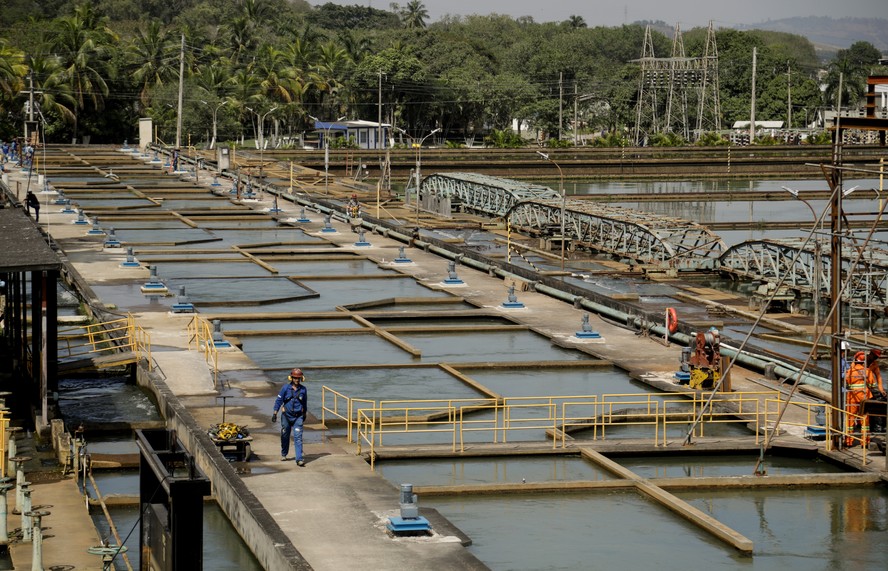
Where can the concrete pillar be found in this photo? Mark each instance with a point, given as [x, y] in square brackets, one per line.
[37, 539]
[26, 509]
[4, 528]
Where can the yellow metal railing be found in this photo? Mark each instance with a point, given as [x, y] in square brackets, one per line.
[831, 435]
[200, 334]
[558, 415]
[106, 338]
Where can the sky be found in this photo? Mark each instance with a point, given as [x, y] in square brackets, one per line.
[687, 13]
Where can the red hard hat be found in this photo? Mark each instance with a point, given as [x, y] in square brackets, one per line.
[877, 353]
[295, 373]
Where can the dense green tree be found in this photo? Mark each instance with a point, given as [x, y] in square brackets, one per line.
[83, 41]
[850, 68]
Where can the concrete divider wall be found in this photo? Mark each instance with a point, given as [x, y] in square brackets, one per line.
[271, 546]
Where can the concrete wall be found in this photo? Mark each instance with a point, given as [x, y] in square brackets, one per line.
[256, 526]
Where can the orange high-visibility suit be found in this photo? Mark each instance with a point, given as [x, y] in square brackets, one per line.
[858, 379]
[872, 362]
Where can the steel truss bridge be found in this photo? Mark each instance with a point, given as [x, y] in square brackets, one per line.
[653, 239]
[537, 210]
[786, 259]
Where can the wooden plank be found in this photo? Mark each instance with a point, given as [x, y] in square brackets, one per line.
[680, 507]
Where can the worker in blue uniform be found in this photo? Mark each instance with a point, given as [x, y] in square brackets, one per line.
[293, 399]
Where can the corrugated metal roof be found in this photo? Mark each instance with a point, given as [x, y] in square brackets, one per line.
[22, 246]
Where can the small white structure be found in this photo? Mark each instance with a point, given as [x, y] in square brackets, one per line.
[364, 133]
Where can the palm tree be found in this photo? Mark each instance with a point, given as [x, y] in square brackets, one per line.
[83, 40]
[154, 57]
[12, 72]
[576, 22]
[56, 98]
[413, 15]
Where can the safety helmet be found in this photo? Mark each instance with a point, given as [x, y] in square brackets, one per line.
[295, 374]
[354, 196]
[877, 353]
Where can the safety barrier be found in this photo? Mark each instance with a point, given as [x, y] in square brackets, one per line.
[830, 435]
[115, 337]
[459, 420]
[200, 334]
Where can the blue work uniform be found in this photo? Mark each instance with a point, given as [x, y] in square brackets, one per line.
[292, 401]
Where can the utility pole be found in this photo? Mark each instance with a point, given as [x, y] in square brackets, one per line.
[835, 285]
[29, 124]
[752, 101]
[181, 93]
[576, 123]
[379, 117]
[788, 96]
[560, 101]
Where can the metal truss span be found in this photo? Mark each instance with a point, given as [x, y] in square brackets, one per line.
[646, 238]
[773, 260]
[482, 194]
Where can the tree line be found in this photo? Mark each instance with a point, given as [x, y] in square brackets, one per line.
[96, 67]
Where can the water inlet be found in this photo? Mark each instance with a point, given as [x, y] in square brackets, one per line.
[409, 521]
[154, 285]
[402, 257]
[81, 218]
[512, 301]
[452, 278]
[328, 227]
[96, 230]
[182, 304]
[131, 261]
[111, 240]
[302, 218]
[683, 375]
[586, 331]
[361, 241]
[218, 337]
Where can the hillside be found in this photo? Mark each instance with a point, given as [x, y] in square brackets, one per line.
[829, 34]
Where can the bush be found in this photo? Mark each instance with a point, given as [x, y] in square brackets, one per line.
[453, 145]
[611, 139]
[821, 138]
[712, 139]
[667, 140]
[559, 143]
[504, 140]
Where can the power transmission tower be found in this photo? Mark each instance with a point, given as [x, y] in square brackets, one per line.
[652, 78]
[680, 77]
[677, 75]
[709, 107]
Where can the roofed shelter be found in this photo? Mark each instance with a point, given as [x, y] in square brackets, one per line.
[29, 271]
[366, 134]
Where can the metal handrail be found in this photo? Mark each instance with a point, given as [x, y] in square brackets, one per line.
[200, 333]
[559, 413]
[107, 337]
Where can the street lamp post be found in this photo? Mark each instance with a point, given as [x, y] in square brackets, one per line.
[262, 140]
[419, 166]
[215, 110]
[326, 147]
[563, 202]
[818, 262]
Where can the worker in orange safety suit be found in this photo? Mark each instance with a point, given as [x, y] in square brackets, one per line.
[858, 379]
